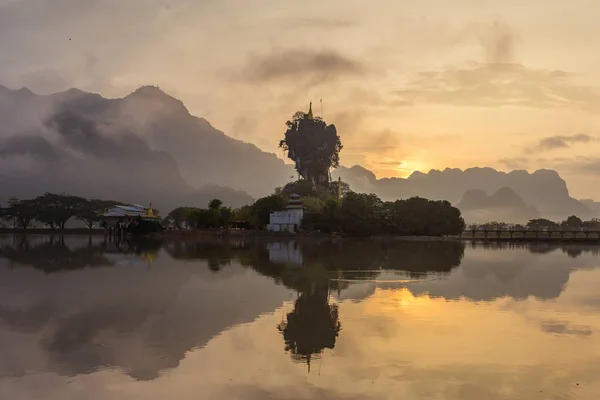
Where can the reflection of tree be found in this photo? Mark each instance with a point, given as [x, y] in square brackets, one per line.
[53, 255]
[573, 250]
[312, 326]
[217, 253]
[325, 259]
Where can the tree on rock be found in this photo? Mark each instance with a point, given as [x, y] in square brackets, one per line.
[313, 145]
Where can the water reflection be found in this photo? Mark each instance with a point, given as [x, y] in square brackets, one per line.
[380, 319]
[312, 326]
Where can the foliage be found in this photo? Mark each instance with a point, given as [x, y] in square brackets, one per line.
[54, 210]
[361, 214]
[215, 204]
[572, 222]
[21, 211]
[91, 209]
[215, 216]
[313, 145]
[366, 215]
[421, 217]
[144, 227]
[344, 188]
[244, 215]
[265, 206]
[57, 209]
[313, 204]
[177, 218]
[541, 223]
[303, 188]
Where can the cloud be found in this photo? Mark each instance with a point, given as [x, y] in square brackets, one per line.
[319, 65]
[497, 41]
[494, 85]
[497, 81]
[586, 165]
[563, 142]
[316, 23]
[565, 328]
[514, 162]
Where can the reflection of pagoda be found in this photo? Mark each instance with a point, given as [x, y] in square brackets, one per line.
[312, 326]
[289, 220]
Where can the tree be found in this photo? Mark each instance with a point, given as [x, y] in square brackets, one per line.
[21, 211]
[225, 218]
[572, 222]
[215, 204]
[594, 224]
[541, 223]
[263, 207]
[91, 209]
[177, 217]
[344, 188]
[199, 218]
[59, 207]
[313, 145]
[360, 214]
[312, 204]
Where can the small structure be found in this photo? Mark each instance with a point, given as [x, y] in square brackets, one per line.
[117, 219]
[289, 220]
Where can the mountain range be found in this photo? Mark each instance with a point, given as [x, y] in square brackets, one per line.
[147, 147]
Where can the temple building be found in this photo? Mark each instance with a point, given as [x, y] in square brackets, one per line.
[289, 220]
[121, 214]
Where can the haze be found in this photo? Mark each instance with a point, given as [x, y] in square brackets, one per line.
[410, 85]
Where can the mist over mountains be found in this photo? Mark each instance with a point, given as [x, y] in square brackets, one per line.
[147, 147]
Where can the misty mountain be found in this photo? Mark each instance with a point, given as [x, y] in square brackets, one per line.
[592, 205]
[204, 154]
[147, 146]
[68, 143]
[504, 205]
[543, 190]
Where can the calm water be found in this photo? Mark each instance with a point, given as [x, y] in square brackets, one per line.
[80, 319]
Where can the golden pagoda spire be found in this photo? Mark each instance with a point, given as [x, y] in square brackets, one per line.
[150, 212]
[310, 113]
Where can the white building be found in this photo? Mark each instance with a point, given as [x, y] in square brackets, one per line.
[289, 220]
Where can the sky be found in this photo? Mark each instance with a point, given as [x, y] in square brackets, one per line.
[409, 85]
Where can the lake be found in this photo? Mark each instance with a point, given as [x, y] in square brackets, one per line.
[85, 319]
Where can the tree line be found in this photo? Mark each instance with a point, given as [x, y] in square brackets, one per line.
[354, 214]
[54, 210]
[539, 224]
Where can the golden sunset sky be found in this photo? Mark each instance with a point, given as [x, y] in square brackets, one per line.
[411, 85]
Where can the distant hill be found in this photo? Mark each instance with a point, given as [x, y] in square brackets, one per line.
[147, 147]
[70, 142]
[504, 205]
[592, 205]
[544, 190]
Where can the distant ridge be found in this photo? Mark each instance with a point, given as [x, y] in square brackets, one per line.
[160, 149]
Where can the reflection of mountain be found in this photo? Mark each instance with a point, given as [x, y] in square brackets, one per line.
[518, 272]
[143, 321]
[138, 320]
